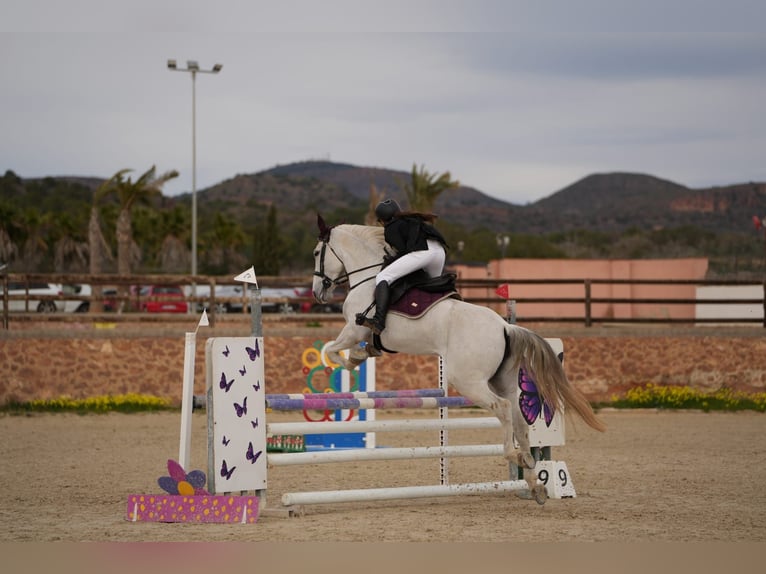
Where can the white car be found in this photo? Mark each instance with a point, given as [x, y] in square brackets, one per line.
[77, 305]
[34, 303]
[232, 299]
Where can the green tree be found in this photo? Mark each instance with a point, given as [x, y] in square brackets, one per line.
[423, 188]
[98, 248]
[70, 248]
[129, 193]
[10, 232]
[35, 246]
[223, 246]
[267, 246]
[175, 254]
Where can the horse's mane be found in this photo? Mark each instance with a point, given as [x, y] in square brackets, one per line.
[371, 235]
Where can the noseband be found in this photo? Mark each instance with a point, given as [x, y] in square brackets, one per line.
[328, 282]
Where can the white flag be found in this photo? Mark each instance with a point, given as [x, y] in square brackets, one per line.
[248, 276]
[203, 321]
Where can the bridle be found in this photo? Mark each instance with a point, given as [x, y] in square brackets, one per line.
[328, 282]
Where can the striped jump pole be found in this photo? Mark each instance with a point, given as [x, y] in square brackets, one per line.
[329, 402]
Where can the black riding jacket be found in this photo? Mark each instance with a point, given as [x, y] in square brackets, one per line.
[409, 233]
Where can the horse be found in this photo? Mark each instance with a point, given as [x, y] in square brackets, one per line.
[481, 352]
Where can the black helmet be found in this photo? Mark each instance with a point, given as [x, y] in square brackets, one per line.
[386, 210]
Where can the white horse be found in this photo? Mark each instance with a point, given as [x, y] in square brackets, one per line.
[481, 352]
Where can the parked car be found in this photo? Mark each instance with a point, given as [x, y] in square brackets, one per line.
[233, 299]
[162, 299]
[228, 298]
[35, 290]
[77, 305]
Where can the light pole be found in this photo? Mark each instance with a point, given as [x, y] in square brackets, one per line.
[193, 67]
[502, 243]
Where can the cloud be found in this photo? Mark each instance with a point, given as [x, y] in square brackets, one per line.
[517, 99]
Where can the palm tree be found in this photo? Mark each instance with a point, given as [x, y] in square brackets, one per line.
[70, 250]
[222, 243]
[375, 198]
[9, 233]
[174, 251]
[129, 193]
[423, 188]
[97, 246]
[35, 244]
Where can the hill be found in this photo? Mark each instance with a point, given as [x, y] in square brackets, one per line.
[602, 215]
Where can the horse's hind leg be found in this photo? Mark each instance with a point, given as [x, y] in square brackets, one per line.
[481, 394]
[504, 385]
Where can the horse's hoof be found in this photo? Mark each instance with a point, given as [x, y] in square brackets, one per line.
[540, 494]
[526, 460]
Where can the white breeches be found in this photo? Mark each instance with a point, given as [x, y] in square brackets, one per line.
[431, 260]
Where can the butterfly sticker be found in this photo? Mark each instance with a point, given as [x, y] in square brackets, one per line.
[257, 386]
[241, 409]
[253, 353]
[531, 403]
[242, 371]
[226, 351]
[226, 471]
[225, 441]
[223, 384]
[251, 456]
[254, 423]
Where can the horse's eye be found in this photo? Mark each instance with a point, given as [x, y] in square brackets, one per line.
[316, 253]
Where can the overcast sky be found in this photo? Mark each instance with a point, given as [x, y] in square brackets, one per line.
[516, 99]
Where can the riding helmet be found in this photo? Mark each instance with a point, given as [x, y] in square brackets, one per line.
[386, 210]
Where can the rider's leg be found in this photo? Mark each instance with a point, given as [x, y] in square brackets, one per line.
[378, 322]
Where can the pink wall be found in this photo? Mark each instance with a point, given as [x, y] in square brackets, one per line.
[581, 269]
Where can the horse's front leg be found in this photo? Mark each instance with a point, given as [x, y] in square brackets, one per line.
[348, 338]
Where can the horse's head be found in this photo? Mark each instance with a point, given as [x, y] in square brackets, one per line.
[328, 268]
[350, 254]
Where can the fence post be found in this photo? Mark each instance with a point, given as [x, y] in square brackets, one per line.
[764, 301]
[5, 298]
[587, 303]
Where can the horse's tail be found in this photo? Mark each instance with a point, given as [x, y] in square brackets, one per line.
[529, 350]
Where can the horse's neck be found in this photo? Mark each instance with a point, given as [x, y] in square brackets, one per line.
[359, 248]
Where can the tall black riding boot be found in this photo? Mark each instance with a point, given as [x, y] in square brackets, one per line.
[378, 322]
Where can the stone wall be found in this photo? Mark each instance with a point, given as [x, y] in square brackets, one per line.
[601, 363]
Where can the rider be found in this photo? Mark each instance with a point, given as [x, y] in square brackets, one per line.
[418, 244]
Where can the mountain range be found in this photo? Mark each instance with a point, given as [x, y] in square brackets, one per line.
[604, 201]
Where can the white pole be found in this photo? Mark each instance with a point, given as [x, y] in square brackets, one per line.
[194, 177]
[324, 497]
[393, 453]
[187, 397]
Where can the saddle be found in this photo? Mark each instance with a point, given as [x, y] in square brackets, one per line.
[414, 295]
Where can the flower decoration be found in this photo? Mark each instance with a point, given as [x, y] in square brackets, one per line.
[181, 482]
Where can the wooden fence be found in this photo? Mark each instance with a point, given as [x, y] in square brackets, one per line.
[586, 300]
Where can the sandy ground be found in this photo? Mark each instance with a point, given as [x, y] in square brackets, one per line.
[653, 476]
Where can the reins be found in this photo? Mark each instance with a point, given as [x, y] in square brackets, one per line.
[328, 282]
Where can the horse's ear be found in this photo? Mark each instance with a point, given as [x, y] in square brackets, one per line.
[324, 230]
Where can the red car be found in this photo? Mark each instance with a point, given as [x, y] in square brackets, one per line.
[162, 299]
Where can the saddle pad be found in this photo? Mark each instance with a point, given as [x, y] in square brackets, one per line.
[415, 302]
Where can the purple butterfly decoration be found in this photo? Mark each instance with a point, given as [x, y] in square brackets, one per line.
[223, 384]
[225, 441]
[242, 371]
[254, 423]
[257, 386]
[226, 471]
[253, 353]
[241, 409]
[531, 403]
[251, 455]
[226, 352]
